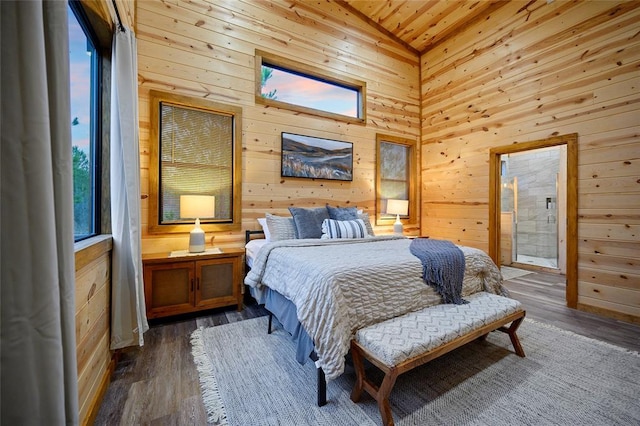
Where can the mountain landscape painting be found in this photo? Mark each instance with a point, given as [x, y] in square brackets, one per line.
[316, 158]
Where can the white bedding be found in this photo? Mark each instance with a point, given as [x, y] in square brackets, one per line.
[252, 248]
[340, 286]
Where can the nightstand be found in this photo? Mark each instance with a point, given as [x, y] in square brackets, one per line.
[184, 283]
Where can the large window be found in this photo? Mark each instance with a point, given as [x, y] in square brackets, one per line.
[195, 151]
[284, 83]
[396, 178]
[84, 67]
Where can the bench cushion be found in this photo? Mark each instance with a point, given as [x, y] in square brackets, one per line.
[398, 339]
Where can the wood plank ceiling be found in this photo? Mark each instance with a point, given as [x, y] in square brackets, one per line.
[420, 25]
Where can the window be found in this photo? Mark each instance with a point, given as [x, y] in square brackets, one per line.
[396, 177]
[291, 85]
[195, 150]
[84, 67]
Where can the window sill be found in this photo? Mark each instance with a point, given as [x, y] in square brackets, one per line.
[91, 248]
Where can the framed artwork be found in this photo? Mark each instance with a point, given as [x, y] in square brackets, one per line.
[316, 158]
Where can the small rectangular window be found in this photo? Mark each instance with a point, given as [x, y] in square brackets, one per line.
[395, 177]
[84, 68]
[287, 84]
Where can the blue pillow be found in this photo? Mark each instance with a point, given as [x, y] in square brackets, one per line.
[308, 221]
[343, 213]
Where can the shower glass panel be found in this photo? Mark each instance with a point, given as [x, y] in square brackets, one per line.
[529, 219]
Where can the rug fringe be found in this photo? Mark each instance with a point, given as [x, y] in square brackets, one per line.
[580, 336]
[216, 414]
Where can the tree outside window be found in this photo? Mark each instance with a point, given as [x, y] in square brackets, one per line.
[83, 68]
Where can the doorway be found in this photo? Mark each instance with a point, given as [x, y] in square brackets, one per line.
[533, 208]
[500, 233]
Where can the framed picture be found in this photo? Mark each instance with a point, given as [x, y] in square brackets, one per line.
[316, 158]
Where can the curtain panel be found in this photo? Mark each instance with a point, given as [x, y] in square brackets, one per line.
[38, 346]
[128, 312]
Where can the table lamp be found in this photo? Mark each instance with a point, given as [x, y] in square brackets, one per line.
[398, 207]
[197, 206]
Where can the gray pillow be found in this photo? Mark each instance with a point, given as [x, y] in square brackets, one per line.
[343, 213]
[367, 223]
[308, 221]
[280, 228]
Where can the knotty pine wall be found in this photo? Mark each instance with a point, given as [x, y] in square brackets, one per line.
[93, 330]
[206, 49]
[529, 74]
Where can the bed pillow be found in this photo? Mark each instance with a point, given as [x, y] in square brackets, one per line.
[342, 213]
[263, 223]
[280, 228]
[308, 221]
[344, 228]
[367, 222]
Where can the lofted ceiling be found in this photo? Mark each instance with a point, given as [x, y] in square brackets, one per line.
[420, 25]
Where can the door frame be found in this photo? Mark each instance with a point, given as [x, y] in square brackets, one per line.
[571, 141]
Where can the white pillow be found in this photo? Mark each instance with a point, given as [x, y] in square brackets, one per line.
[263, 222]
[332, 228]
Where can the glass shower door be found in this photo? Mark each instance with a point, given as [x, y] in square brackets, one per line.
[529, 195]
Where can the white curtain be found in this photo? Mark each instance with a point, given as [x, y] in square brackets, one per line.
[128, 314]
[38, 346]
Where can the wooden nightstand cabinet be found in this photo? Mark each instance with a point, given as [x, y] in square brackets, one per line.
[178, 285]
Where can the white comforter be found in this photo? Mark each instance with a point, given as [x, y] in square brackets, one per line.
[340, 286]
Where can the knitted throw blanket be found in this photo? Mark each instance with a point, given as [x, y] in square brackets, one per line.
[442, 267]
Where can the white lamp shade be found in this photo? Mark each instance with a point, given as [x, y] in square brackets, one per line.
[197, 206]
[398, 207]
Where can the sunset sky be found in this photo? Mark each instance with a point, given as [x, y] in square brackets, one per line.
[80, 69]
[310, 93]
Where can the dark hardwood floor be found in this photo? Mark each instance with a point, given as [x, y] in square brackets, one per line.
[543, 295]
[158, 383]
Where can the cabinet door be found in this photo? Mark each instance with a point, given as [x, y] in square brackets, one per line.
[169, 288]
[216, 282]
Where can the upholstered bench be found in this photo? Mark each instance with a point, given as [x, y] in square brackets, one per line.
[405, 342]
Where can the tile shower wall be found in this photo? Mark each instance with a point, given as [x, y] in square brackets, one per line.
[537, 205]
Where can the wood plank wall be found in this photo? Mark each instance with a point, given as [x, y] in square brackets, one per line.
[530, 73]
[93, 330]
[206, 49]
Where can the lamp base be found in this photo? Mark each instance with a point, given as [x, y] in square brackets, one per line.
[397, 226]
[196, 240]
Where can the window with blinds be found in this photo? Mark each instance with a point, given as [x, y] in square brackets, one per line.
[196, 159]
[195, 150]
[395, 177]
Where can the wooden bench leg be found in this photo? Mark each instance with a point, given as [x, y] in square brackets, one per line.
[511, 331]
[383, 397]
[380, 394]
[358, 366]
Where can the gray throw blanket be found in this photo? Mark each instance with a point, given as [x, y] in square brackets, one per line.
[442, 267]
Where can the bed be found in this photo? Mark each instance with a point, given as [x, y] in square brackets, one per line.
[322, 290]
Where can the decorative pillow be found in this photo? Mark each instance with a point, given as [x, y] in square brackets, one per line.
[263, 223]
[280, 228]
[344, 228]
[342, 213]
[308, 221]
[367, 222]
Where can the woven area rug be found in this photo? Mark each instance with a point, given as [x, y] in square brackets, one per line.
[249, 377]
